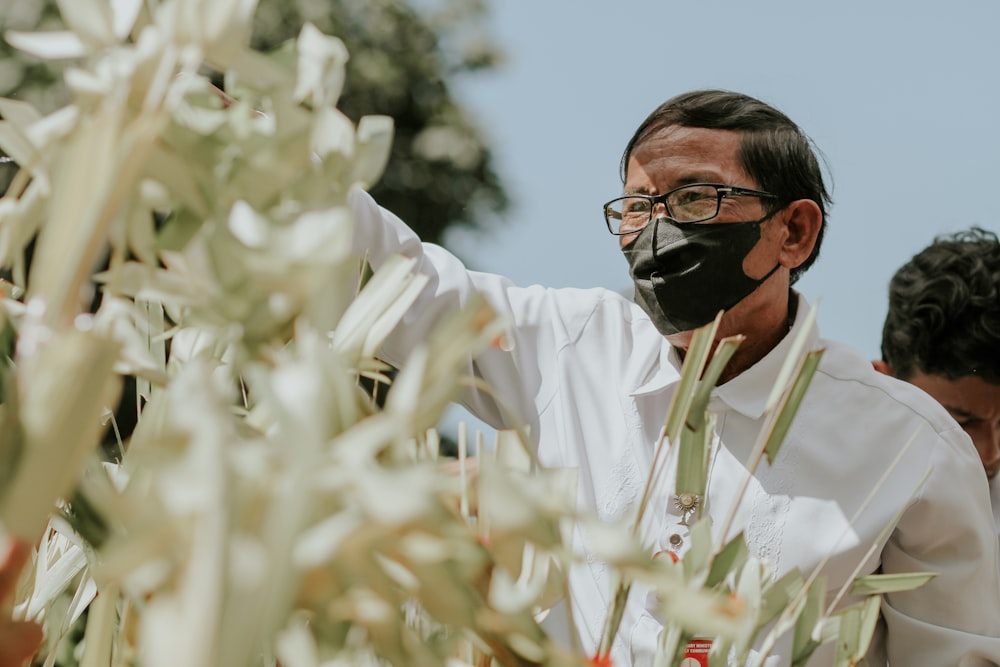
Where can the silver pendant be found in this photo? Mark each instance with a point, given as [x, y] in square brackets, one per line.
[686, 503]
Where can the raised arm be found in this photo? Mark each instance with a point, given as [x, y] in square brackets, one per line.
[513, 372]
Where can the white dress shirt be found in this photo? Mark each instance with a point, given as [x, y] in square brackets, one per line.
[995, 501]
[593, 378]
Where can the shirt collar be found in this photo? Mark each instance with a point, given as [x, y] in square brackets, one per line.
[664, 373]
[748, 392]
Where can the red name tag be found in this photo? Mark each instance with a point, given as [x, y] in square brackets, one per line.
[696, 654]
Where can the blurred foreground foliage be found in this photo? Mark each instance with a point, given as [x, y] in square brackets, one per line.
[265, 510]
[404, 56]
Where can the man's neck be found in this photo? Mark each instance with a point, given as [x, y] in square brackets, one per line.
[771, 329]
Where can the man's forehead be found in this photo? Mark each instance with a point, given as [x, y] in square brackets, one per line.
[682, 154]
[686, 134]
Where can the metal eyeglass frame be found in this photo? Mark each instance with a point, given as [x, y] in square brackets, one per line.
[721, 191]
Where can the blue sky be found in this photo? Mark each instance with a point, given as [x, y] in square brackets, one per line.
[902, 98]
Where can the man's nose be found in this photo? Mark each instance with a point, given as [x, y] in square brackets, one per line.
[987, 441]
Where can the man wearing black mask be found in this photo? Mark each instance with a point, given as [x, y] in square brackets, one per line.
[723, 208]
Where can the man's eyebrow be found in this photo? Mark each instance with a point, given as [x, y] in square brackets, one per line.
[640, 190]
[695, 178]
[698, 177]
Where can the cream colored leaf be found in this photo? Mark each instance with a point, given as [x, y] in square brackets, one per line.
[320, 236]
[510, 453]
[789, 403]
[396, 498]
[404, 401]
[15, 132]
[510, 595]
[250, 229]
[61, 420]
[60, 45]
[320, 72]
[265, 73]
[183, 178]
[509, 504]
[123, 16]
[319, 544]
[19, 113]
[732, 558]
[299, 392]
[694, 364]
[98, 638]
[70, 242]
[85, 593]
[378, 308]
[141, 563]
[140, 233]
[857, 624]
[528, 648]
[54, 127]
[16, 144]
[226, 26]
[181, 286]
[614, 543]
[701, 550]
[119, 321]
[705, 612]
[19, 221]
[59, 563]
[205, 120]
[792, 359]
[360, 444]
[693, 453]
[778, 595]
[91, 86]
[374, 142]
[706, 384]
[806, 616]
[332, 132]
[91, 20]
[879, 584]
[295, 645]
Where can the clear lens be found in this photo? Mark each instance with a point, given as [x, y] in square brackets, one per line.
[628, 214]
[693, 203]
[690, 203]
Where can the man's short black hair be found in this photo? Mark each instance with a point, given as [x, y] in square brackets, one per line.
[774, 151]
[944, 309]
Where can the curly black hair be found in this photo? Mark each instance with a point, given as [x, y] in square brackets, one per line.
[944, 309]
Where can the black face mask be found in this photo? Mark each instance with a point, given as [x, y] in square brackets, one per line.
[685, 274]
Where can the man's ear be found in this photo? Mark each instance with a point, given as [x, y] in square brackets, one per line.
[803, 221]
[883, 367]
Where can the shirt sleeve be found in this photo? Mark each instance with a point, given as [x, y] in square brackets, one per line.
[949, 530]
[515, 375]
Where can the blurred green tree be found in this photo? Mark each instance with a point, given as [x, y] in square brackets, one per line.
[403, 56]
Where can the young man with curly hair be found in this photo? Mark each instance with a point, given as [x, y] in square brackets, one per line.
[942, 334]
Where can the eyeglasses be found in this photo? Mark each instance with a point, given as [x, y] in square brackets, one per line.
[689, 203]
